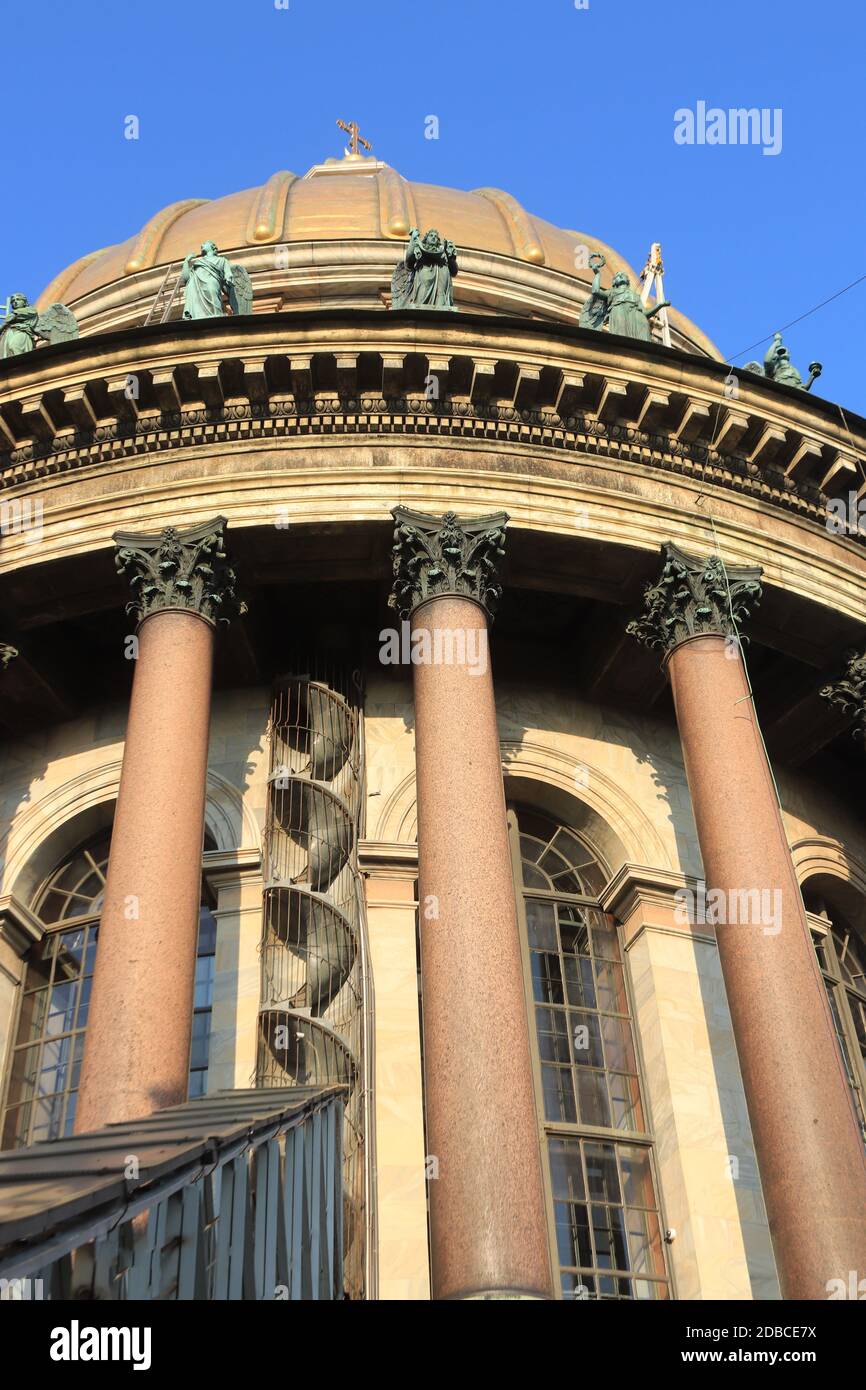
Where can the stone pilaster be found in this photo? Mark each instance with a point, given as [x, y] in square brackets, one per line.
[390, 872]
[801, 1116]
[136, 1054]
[848, 693]
[487, 1214]
[703, 1141]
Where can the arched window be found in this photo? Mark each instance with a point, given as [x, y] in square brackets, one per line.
[601, 1186]
[45, 1065]
[842, 957]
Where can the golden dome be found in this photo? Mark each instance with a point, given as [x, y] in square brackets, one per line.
[349, 200]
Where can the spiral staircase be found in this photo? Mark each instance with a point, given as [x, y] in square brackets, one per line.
[314, 979]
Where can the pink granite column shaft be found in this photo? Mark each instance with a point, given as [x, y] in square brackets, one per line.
[811, 1159]
[487, 1210]
[136, 1054]
[136, 1057]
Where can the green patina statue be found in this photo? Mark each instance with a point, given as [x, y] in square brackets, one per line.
[24, 324]
[779, 367]
[620, 306]
[211, 282]
[592, 315]
[424, 279]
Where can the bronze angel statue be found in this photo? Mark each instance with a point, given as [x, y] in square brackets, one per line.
[211, 284]
[779, 367]
[24, 325]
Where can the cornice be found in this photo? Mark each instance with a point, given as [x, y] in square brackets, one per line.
[643, 899]
[288, 375]
[228, 868]
[18, 925]
[633, 883]
[388, 859]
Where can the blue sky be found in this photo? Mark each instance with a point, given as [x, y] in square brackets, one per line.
[570, 110]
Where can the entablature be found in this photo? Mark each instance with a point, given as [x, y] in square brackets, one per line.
[121, 395]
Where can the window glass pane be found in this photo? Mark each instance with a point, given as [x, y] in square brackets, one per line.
[15, 1126]
[566, 1169]
[601, 1172]
[69, 1117]
[572, 1234]
[541, 922]
[531, 849]
[558, 1094]
[546, 978]
[568, 882]
[552, 863]
[578, 1286]
[644, 1289]
[84, 1001]
[610, 986]
[579, 981]
[61, 1008]
[552, 1035]
[206, 932]
[626, 1110]
[586, 1038]
[571, 849]
[858, 1013]
[56, 1055]
[608, 1234]
[574, 930]
[644, 1241]
[197, 1083]
[32, 1018]
[637, 1183]
[46, 1119]
[618, 1049]
[592, 1100]
[22, 1079]
[204, 978]
[605, 942]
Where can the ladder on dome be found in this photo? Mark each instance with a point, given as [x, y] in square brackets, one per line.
[165, 295]
[653, 282]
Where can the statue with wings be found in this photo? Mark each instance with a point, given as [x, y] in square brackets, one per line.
[779, 367]
[24, 325]
[211, 283]
[240, 291]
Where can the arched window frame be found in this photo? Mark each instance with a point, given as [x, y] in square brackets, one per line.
[598, 1284]
[66, 1044]
[837, 941]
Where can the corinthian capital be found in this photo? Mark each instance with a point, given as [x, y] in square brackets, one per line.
[174, 569]
[7, 654]
[849, 693]
[695, 596]
[439, 555]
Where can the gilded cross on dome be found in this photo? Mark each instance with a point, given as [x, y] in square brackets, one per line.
[353, 130]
